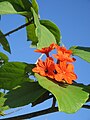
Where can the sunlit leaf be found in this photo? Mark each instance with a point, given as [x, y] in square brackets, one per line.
[82, 52]
[70, 98]
[4, 43]
[53, 29]
[45, 37]
[13, 74]
[35, 6]
[27, 93]
[2, 106]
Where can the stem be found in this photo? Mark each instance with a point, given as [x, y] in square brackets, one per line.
[39, 58]
[34, 114]
[86, 106]
[54, 102]
[38, 113]
[16, 29]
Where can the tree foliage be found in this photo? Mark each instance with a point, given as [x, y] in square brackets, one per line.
[15, 76]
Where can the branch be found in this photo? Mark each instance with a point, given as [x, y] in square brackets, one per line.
[34, 114]
[38, 113]
[16, 29]
[86, 106]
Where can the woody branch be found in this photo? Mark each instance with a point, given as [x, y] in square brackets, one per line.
[16, 29]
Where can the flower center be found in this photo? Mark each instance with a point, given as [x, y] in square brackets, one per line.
[46, 71]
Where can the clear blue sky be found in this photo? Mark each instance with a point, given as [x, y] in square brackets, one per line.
[73, 19]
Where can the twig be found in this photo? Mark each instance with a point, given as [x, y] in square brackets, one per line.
[16, 29]
[34, 114]
[86, 106]
[38, 113]
[54, 102]
[39, 58]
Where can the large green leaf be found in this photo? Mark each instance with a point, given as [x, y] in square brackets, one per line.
[4, 43]
[41, 99]
[28, 69]
[35, 6]
[45, 37]
[82, 52]
[70, 98]
[11, 7]
[53, 29]
[27, 93]
[13, 74]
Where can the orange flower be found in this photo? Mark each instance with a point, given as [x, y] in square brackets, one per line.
[46, 50]
[45, 68]
[63, 54]
[64, 72]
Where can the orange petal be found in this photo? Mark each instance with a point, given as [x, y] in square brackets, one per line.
[70, 67]
[40, 63]
[58, 77]
[58, 69]
[35, 70]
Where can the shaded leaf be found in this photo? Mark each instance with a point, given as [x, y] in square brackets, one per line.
[45, 37]
[4, 43]
[53, 29]
[13, 74]
[25, 4]
[70, 98]
[29, 68]
[41, 99]
[82, 52]
[27, 93]
[31, 35]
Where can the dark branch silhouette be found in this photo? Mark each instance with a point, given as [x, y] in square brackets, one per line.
[16, 29]
[38, 113]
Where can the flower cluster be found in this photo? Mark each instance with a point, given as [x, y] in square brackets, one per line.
[62, 70]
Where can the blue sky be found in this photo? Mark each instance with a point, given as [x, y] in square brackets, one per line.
[73, 19]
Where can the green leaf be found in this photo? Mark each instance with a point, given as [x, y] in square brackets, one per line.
[27, 93]
[11, 7]
[45, 37]
[82, 52]
[28, 69]
[26, 5]
[53, 29]
[3, 57]
[13, 74]
[41, 99]
[4, 43]
[35, 6]
[2, 106]
[70, 98]
[31, 35]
